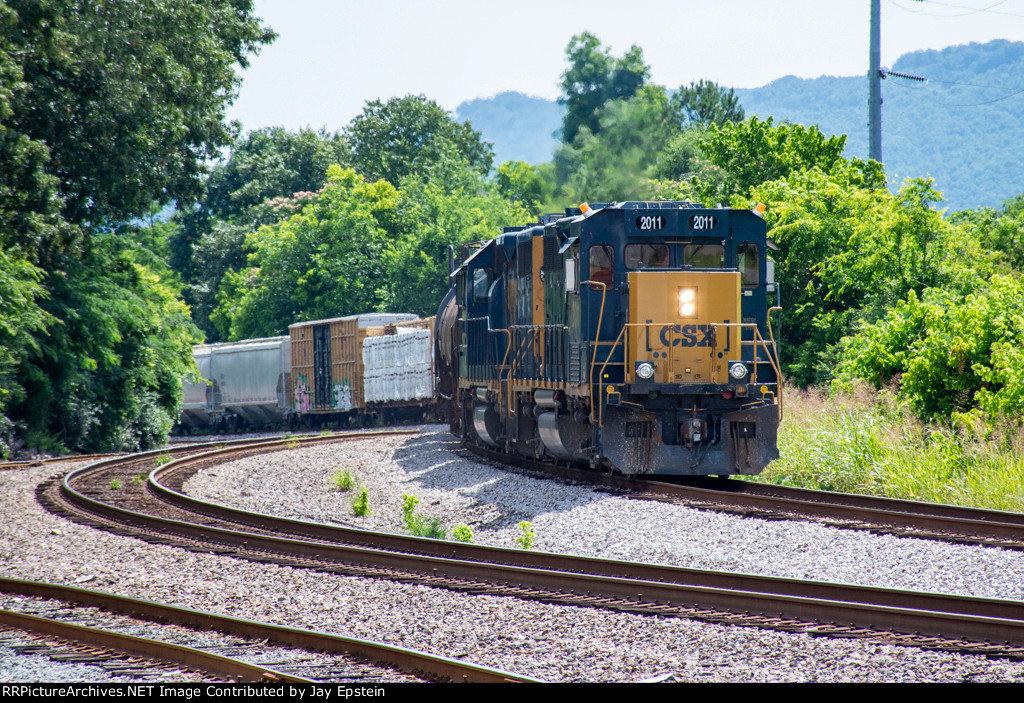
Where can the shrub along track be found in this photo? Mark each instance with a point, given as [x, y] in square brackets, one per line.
[157, 511]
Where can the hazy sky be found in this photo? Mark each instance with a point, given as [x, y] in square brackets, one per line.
[332, 56]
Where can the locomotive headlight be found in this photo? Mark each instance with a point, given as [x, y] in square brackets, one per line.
[645, 370]
[687, 302]
[738, 371]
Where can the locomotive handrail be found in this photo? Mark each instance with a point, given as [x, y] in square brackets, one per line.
[756, 342]
[600, 376]
[772, 359]
[508, 348]
[597, 340]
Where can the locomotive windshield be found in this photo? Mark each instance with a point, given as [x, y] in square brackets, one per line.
[646, 256]
[704, 256]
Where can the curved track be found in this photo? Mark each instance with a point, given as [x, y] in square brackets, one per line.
[157, 511]
[950, 523]
[353, 652]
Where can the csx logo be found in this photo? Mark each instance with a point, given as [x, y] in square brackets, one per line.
[688, 335]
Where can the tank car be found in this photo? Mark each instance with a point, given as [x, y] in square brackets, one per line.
[631, 336]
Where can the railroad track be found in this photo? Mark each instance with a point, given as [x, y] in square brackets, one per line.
[25, 463]
[156, 510]
[230, 647]
[947, 523]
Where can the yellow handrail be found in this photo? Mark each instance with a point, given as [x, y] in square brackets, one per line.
[758, 341]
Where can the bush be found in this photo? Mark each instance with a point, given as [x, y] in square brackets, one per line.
[526, 536]
[462, 533]
[951, 352]
[344, 481]
[418, 525]
[361, 504]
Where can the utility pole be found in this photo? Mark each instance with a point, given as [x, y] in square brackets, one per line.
[875, 84]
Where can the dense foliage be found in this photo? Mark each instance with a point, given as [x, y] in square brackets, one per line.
[105, 108]
[358, 246]
[405, 136]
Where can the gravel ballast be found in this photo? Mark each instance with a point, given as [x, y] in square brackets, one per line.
[552, 642]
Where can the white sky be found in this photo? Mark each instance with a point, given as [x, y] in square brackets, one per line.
[332, 56]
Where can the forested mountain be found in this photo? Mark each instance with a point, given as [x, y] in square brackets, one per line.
[962, 127]
[520, 126]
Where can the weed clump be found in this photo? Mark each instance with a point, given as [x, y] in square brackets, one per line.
[526, 536]
[462, 533]
[417, 525]
[361, 504]
[344, 481]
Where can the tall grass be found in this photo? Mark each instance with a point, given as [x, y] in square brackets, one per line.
[866, 443]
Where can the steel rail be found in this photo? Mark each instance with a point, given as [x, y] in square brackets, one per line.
[338, 534]
[153, 650]
[635, 586]
[972, 524]
[408, 660]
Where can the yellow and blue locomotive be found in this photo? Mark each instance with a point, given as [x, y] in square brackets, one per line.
[632, 336]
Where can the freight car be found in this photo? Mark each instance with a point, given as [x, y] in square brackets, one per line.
[632, 336]
[240, 383]
[344, 368]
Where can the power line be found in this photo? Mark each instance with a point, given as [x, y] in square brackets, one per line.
[972, 85]
[972, 10]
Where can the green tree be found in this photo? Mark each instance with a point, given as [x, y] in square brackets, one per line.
[324, 261]
[950, 351]
[105, 108]
[22, 323]
[706, 103]
[848, 252]
[272, 162]
[449, 206]
[618, 162]
[529, 186]
[1000, 230]
[265, 164]
[128, 97]
[594, 77]
[108, 371]
[406, 136]
[738, 156]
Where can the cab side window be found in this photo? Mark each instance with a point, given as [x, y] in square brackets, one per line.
[748, 262]
[602, 263]
[481, 285]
